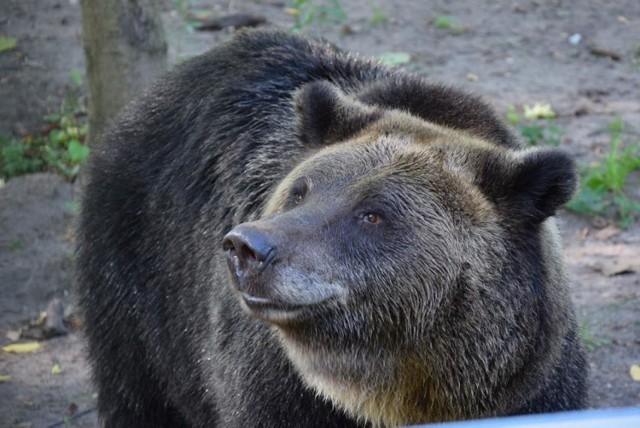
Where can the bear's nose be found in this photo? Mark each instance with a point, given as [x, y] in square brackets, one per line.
[249, 251]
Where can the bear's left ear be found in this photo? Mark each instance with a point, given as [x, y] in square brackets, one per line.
[532, 186]
[325, 115]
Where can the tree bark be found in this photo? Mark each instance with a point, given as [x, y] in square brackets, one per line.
[125, 49]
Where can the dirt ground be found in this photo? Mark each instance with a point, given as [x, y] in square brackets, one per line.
[512, 52]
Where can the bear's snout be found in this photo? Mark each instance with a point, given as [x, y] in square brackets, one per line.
[249, 251]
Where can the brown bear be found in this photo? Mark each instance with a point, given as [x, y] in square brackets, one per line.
[278, 234]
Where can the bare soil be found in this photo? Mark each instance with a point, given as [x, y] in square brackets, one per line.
[512, 52]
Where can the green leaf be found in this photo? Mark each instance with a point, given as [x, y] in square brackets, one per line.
[76, 77]
[57, 136]
[52, 118]
[513, 116]
[378, 16]
[77, 151]
[7, 43]
[395, 58]
[73, 206]
[444, 22]
[21, 348]
[588, 201]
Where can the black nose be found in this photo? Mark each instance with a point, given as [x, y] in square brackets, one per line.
[249, 251]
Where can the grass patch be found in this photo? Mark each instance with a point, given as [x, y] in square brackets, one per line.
[322, 12]
[536, 125]
[7, 43]
[590, 341]
[449, 24]
[59, 148]
[602, 192]
[378, 17]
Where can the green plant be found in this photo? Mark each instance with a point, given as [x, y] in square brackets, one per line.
[7, 43]
[188, 15]
[378, 15]
[444, 22]
[536, 125]
[60, 148]
[603, 183]
[589, 339]
[73, 206]
[17, 158]
[309, 12]
[449, 24]
[15, 244]
[536, 133]
[635, 56]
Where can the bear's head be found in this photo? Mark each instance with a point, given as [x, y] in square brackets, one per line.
[397, 253]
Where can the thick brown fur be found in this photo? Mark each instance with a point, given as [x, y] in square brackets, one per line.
[278, 234]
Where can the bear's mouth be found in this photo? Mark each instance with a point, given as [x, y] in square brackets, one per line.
[276, 312]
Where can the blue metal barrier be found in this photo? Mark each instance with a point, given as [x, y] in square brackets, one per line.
[609, 418]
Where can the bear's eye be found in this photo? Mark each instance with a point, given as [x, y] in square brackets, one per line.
[298, 192]
[371, 218]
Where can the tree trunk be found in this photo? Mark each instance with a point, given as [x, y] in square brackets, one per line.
[125, 49]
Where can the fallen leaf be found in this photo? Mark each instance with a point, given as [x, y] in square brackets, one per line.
[472, 77]
[598, 51]
[5, 378]
[56, 369]
[614, 267]
[609, 259]
[604, 250]
[13, 335]
[538, 111]
[73, 409]
[41, 317]
[606, 233]
[634, 371]
[22, 348]
[584, 233]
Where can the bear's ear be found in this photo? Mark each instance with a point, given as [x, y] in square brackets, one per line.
[533, 186]
[325, 115]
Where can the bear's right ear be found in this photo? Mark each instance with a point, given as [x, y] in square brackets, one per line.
[326, 116]
[532, 185]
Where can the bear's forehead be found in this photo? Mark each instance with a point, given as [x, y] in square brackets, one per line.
[384, 156]
[370, 151]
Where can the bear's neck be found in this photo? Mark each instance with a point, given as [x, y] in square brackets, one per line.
[378, 388]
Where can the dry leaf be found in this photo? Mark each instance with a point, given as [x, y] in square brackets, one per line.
[73, 409]
[13, 335]
[614, 267]
[22, 348]
[634, 371]
[538, 111]
[604, 250]
[606, 233]
[609, 259]
[584, 233]
[5, 378]
[41, 317]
